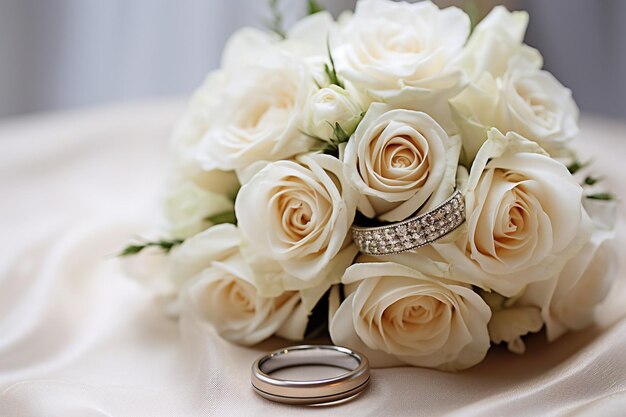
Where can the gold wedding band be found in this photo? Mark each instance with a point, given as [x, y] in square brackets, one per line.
[315, 391]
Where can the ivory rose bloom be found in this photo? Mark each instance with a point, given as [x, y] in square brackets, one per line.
[400, 161]
[330, 106]
[259, 115]
[396, 315]
[188, 205]
[225, 296]
[508, 89]
[400, 53]
[186, 138]
[495, 40]
[568, 301]
[525, 218]
[218, 288]
[199, 251]
[525, 100]
[299, 213]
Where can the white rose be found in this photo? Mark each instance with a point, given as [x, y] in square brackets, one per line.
[400, 161]
[187, 135]
[396, 314]
[230, 303]
[568, 301]
[525, 100]
[188, 207]
[400, 53]
[525, 218]
[198, 252]
[259, 116]
[330, 106]
[217, 287]
[299, 213]
[494, 41]
[308, 37]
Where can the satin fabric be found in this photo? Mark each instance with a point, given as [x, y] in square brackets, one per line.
[78, 337]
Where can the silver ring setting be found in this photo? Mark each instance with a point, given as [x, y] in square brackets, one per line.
[414, 232]
[315, 391]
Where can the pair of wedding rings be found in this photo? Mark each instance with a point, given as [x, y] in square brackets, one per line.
[389, 239]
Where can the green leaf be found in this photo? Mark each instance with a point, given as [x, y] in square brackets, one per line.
[592, 180]
[339, 135]
[233, 195]
[331, 146]
[330, 70]
[221, 218]
[576, 166]
[601, 196]
[164, 244]
[276, 22]
[494, 300]
[314, 7]
[472, 10]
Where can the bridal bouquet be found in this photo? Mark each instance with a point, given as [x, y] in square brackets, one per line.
[390, 178]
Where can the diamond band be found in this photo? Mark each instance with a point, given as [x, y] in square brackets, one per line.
[414, 232]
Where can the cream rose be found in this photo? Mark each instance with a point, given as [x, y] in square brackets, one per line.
[299, 213]
[525, 100]
[525, 218]
[259, 116]
[330, 106]
[494, 41]
[396, 315]
[188, 134]
[198, 252]
[225, 296]
[400, 161]
[188, 206]
[400, 53]
[217, 286]
[568, 301]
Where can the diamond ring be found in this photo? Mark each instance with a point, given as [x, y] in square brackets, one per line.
[414, 232]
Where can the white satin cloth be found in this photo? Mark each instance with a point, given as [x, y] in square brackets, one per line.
[78, 338]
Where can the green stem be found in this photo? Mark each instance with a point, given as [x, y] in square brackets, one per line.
[163, 244]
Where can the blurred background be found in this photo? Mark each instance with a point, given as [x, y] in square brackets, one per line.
[62, 54]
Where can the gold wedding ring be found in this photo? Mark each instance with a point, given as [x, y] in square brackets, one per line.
[314, 391]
